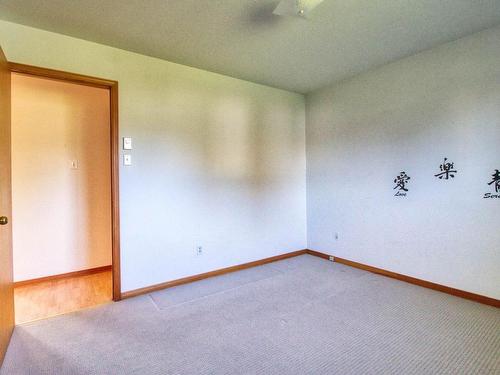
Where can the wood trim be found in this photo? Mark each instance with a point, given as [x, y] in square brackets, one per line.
[413, 280]
[112, 86]
[201, 276]
[115, 191]
[86, 272]
[61, 75]
[318, 254]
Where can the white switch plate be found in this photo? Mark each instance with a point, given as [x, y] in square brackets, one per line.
[127, 143]
[127, 159]
[74, 164]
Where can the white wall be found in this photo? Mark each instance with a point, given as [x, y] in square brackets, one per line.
[407, 116]
[217, 162]
[61, 215]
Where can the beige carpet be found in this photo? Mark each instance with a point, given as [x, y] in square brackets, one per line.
[299, 316]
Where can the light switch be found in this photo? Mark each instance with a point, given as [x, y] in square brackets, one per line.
[74, 164]
[127, 143]
[127, 159]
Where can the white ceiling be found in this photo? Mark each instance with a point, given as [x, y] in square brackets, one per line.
[243, 39]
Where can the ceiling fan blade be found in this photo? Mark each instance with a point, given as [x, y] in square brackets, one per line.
[296, 8]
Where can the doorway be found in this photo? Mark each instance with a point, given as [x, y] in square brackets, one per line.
[65, 192]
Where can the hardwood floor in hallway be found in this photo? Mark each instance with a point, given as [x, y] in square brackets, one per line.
[45, 299]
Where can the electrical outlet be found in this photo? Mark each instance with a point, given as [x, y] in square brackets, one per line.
[331, 258]
[199, 250]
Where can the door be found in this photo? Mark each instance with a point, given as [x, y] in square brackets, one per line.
[6, 278]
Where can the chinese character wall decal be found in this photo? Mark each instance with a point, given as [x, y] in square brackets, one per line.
[401, 181]
[447, 170]
[496, 180]
[496, 184]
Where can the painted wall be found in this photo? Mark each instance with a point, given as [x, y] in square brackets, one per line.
[407, 116]
[60, 177]
[217, 162]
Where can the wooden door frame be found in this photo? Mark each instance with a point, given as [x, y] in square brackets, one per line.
[112, 86]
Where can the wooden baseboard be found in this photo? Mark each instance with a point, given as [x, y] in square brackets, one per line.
[222, 271]
[86, 272]
[318, 254]
[412, 280]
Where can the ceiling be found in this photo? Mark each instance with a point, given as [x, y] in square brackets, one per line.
[243, 39]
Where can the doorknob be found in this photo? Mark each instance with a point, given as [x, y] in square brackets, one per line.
[3, 220]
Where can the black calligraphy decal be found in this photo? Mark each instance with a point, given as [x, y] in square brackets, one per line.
[496, 183]
[401, 181]
[447, 170]
[496, 180]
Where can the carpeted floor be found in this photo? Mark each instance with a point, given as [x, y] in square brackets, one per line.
[303, 315]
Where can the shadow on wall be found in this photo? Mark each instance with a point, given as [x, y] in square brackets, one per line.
[232, 158]
[236, 140]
